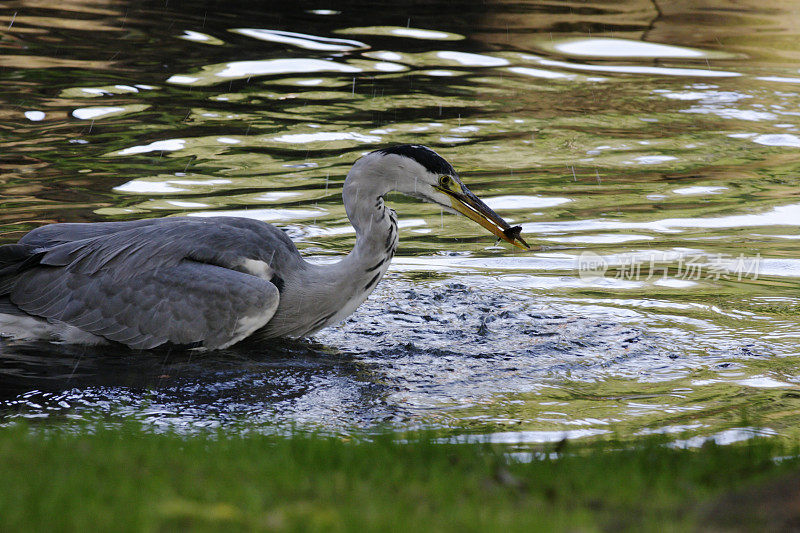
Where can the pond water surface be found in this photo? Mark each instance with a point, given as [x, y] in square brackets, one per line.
[650, 151]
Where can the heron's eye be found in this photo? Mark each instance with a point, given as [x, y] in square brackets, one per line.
[445, 181]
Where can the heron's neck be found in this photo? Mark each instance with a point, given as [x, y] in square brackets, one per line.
[329, 293]
[376, 229]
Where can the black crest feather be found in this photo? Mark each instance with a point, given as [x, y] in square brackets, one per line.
[423, 155]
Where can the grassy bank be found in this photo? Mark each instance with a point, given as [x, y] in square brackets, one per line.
[131, 480]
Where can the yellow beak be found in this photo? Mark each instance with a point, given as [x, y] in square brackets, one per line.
[472, 207]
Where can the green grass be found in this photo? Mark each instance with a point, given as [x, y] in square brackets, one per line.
[131, 480]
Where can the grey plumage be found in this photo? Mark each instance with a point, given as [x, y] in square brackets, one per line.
[146, 283]
[209, 281]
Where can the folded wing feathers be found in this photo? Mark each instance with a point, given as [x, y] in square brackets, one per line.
[145, 284]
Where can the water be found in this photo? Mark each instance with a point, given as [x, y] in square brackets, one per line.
[649, 154]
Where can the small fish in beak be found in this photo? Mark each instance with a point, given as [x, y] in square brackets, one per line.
[514, 234]
[469, 205]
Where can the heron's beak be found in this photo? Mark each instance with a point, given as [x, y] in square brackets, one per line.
[473, 207]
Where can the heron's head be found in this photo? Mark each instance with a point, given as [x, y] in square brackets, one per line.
[418, 171]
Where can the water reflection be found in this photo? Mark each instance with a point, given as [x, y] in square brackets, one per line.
[196, 36]
[292, 383]
[630, 133]
[169, 145]
[619, 48]
[302, 40]
[94, 113]
[214, 74]
[395, 31]
[629, 69]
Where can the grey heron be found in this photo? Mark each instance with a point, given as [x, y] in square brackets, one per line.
[211, 282]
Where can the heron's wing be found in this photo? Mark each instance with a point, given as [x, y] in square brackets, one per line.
[179, 280]
[127, 248]
[54, 234]
[189, 303]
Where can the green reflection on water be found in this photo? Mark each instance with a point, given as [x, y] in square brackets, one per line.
[650, 163]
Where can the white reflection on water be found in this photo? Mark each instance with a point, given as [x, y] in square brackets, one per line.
[779, 79]
[148, 187]
[524, 202]
[302, 40]
[541, 73]
[190, 35]
[323, 136]
[675, 283]
[140, 186]
[706, 97]
[653, 159]
[541, 261]
[386, 56]
[275, 196]
[87, 113]
[326, 12]
[181, 79]
[415, 33]
[108, 90]
[34, 116]
[282, 66]
[385, 66]
[772, 267]
[623, 48]
[699, 190]
[763, 382]
[187, 205]
[438, 72]
[465, 129]
[567, 282]
[778, 139]
[783, 215]
[198, 37]
[398, 31]
[731, 113]
[94, 91]
[245, 69]
[218, 181]
[267, 215]
[167, 145]
[632, 69]
[601, 238]
[472, 60]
